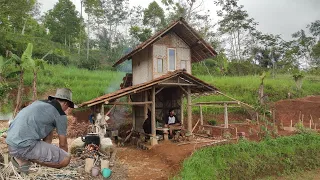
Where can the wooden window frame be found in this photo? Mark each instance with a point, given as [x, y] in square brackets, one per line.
[161, 65]
[175, 59]
[186, 63]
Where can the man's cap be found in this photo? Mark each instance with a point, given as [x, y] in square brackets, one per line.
[64, 94]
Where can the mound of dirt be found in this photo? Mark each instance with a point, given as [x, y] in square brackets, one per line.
[308, 107]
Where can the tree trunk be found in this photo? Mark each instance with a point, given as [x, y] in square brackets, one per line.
[239, 45]
[34, 97]
[261, 94]
[80, 30]
[19, 94]
[24, 27]
[88, 37]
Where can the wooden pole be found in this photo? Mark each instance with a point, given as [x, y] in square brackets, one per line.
[181, 107]
[145, 106]
[133, 118]
[189, 110]
[102, 122]
[201, 116]
[153, 117]
[226, 115]
[310, 123]
[291, 123]
[195, 125]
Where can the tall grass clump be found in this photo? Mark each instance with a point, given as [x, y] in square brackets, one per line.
[251, 160]
[85, 84]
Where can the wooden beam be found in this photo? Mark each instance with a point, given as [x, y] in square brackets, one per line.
[177, 84]
[201, 116]
[159, 90]
[189, 125]
[133, 118]
[145, 108]
[186, 92]
[153, 117]
[181, 109]
[131, 103]
[216, 105]
[143, 88]
[217, 102]
[226, 115]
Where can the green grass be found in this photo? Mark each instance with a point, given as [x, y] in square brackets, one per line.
[251, 160]
[85, 84]
[245, 89]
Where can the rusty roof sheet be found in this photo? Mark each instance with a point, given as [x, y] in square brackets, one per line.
[140, 87]
[200, 49]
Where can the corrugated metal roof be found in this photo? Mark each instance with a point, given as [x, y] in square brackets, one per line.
[202, 87]
[200, 49]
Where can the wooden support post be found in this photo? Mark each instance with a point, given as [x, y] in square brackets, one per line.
[153, 118]
[102, 122]
[189, 110]
[201, 115]
[133, 118]
[145, 110]
[226, 115]
[181, 109]
[310, 124]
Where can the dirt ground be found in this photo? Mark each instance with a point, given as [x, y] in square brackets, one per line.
[165, 159]
[307, 108]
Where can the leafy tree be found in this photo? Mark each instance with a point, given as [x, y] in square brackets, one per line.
[14, 14]
[23, 63]
[63, 22]
[316, 55]
[140, 34]
[193, 12]
[153, 16]
[304, 44]
[314, 29]
[236, 24]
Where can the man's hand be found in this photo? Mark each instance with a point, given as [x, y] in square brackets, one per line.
[63, 142]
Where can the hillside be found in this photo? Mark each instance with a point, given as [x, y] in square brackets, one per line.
[87, 84]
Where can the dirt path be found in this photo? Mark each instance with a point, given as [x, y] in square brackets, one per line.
[159, 163]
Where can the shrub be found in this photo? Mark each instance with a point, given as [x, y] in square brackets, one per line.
[212, 122]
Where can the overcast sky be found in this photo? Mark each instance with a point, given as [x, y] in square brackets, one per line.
[274, 16]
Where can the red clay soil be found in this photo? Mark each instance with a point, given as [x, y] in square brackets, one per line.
[287, 110]
[161, 162]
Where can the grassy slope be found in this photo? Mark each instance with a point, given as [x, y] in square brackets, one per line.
[250, 160]
[85, 84]
[245, 88]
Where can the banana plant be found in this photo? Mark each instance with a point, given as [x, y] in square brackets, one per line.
[23, 63]
[38, 64]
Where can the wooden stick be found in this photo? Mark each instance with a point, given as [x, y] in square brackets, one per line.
[291, 123]
[315, 126]
[302, 118]
[311, 119]
[214, 143]
[310, 124]
[198, 142]
[195, 125]
[128, 135]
